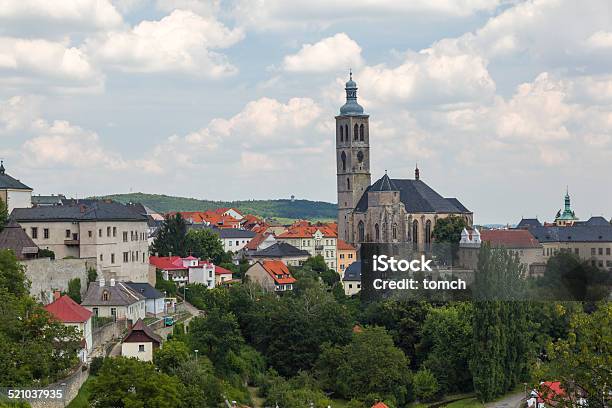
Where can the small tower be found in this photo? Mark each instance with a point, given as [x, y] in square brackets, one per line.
[567, 217]
[352, 157]
[417, 173]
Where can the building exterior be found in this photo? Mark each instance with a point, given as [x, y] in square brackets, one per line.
[222, 275]
[567, 217]
[272, 275]
[155, 301]
[347, 254]
[70, 313]
[13, 237]
[114, 299]
[281, 251]
[14, 193]
[351, 279]
[234, 239]
[316, 239]
[113, 234]
[390, 210]
[185, 270]
[140, 342]
[47, 200]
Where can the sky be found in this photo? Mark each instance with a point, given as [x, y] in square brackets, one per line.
[503, 104]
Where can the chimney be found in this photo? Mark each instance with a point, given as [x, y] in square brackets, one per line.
[102, 282]
[56, 294]
[112, 282]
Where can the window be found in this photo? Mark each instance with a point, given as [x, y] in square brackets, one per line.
[90, 233]
[95, 311]
[141, 348]
[600, 251]
[376, 232]
[360, 156]
[108, 231]
[356, 132]
[577, 251]
[415, 233]
[361, 132]
[341, 134]
[394, 231]
[350, 256]
[100, 233]
[114, 231]
[343, 159]
[67, 233]
[230, 243]
[361, 231]
[101, 257]
[113, 311]
[341, 256]
[126, 256]
[125, 236]
[34, 232]
[341, 267]
[112, 258]
[359, 286]
[346, 133]
[46, 233]
[348, 183]
[105, 296]
[607, 251]
[592, 251]
[608, 263]
[350, 286]
[237, 243]
[428, 232]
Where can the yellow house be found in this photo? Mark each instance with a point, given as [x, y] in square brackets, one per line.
[347, 254]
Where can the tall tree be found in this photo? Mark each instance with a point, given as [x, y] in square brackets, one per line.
[171, 237]
[205, 244]
[3, 214]
[215, 335]
[74, 289]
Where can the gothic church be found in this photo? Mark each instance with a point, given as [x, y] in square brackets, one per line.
[390, 210]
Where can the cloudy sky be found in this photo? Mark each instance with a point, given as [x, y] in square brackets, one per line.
[502, 103]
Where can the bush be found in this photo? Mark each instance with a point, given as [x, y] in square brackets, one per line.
[425, 385]
[95, 365]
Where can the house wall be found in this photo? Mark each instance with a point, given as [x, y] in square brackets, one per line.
[345, 258]
[351, 287]
[257, 273]
[155, 306]
[131, 350]
[324, 246]
[234, 244]
[597, 253]
[48, 275]
[131, 312]
[17, 199]
[205, 276]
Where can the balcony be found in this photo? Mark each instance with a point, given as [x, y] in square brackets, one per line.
[72, 242]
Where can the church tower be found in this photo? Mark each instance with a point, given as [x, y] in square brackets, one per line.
[352, 158]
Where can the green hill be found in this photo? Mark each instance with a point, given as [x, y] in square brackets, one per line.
[292, 209]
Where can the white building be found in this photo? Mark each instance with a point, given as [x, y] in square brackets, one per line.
[70, 313]
[155, 301]
[113, 234]
[114, 299]
[316, 239]
[140, 342]
[185, 270]
[13, 192]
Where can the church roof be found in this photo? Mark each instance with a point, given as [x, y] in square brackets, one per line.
[8, 182]
[416, 196]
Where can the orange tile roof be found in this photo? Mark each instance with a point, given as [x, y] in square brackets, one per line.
[380, 405]
[67, 310]
[514, 238]
[304, 229]
[277, 268]
[255, 241]
[345, 246]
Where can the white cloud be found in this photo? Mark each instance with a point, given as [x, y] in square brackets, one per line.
[600, 39]
[329, 54]
[180, 42]
[203, 7]
[85, 14]
[42, 62]
[18, 112]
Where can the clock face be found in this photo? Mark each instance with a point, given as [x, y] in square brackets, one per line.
[360, 156]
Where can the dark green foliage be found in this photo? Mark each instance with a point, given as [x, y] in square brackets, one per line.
[3, 214]
[201, 387]
[171, 237]
[369, 364]
[449, 229]
[165, 286]
[96, 364]
[74, 289]
[445, 346]
[425, 385]
[205, 244]
[171, 356]
[299, 392]
[92, 275]
[126, 382]
[46, 253]
[297, 209]
[215, 335]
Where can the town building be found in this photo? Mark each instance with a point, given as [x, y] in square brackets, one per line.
[185, 270]
[13, 193]
[390, 210]
[316, 239]
[113, 234]
[47, 200]
[568, 216]
[351, 279]
[272, 275]
[13, 237]
[258, 242]
[219, 218]
[281, 251]
[114, 299]
[155, 301]
[222, 275]
[71, 314]
[347, 254]
[233, 239]
[140, 342]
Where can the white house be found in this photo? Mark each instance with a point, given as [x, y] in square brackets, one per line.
[13, 192]
[185, 270]
[70, 313]
[114, 299]
[140, 342]
[155, 302]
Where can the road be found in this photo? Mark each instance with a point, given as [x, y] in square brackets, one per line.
[509, 401]
[192, 310]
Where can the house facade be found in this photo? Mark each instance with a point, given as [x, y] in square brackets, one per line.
[351, 279]
[71, 314]
[185, 270]
[282, 251]
[347, 254]
[113, 234]
[140, 342]
[114, 299]
[272, 275]
[14, 193]
[316, 239]
[155, 301]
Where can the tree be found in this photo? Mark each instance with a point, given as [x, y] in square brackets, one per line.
[299, 392]
[74, 289]
[449, 229]
[201, 387]
[169, 358]
[171, 237]
[46, 253]
[215, 335]
[205, 244]
[127, 382]
[92, 275]
[370, 364]
[3, 214]
[425, 385]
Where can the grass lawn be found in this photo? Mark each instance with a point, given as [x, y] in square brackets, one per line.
[466, 403]
[339, 403]
[80, 401]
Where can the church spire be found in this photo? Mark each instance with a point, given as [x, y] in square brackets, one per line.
[2, 167]
[351, 107]
[417, 172]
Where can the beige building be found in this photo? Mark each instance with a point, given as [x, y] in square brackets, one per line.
[14, 193]
[114, 299]
[390, 210]
[113, 234]
[316, 239]
[271, 275]
[347, 254]
[281, 251]
[140, 342]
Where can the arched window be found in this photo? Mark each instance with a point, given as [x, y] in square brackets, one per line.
[385, 232]
[347, 135]
[394, 231]
[361, 136]
[415, 233]
[356, 132]
[341, 134]
[348, 183]
[105, 296]
[343, 159]
[361, 231]
[428, 233]
[376, 233]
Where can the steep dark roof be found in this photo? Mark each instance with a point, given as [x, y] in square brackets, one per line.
[574, 233]
[279, 250]
[91, 210]
[14, 237]
[136, 333]
[8, 182]
[416, 196]
[145, 289]
[119, 295]
[529, 223]
[353, 272]
[48, 199]
[598, 220]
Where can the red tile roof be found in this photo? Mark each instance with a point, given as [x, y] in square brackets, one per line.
[345, 246]
[550, 392]
[222, 271]
[255, 241]
[277, 268]
[67, 310]
[167, 263]
[511, 238]
[380, 405]
[304, 229]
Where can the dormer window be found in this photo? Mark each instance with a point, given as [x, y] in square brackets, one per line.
[105, 296]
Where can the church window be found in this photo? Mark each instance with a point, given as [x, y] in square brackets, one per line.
[341, 134]
[348, 183]
[356, 132]
[376, 232]
[394, 232]
[343, 159]
[385, 232]
[428, 232]
[360, 156]
[415, 233]
[361, 136]
[361, 230]
[347, 135]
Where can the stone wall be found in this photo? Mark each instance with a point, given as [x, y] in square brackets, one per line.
[109, 333]
[48, 275]
[70, 387]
